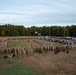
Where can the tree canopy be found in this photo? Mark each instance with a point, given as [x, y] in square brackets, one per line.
[20, 30]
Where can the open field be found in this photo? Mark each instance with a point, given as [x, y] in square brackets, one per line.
[52, 64]
[39, 63]
[17, 68]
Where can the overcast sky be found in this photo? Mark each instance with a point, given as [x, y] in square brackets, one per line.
[38, 12]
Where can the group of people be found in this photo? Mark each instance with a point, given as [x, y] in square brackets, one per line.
[38, 47]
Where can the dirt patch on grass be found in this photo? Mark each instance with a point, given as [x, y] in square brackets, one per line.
[61, 63]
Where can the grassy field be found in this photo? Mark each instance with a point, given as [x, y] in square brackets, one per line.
[15, 43]
[17, 68]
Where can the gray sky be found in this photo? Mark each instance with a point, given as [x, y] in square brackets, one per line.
[38, 12]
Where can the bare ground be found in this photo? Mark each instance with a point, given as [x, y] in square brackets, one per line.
[53, 64]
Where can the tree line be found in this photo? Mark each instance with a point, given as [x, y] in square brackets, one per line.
[20, 30]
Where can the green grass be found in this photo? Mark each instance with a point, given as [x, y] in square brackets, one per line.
[15, 43]
[17, 68]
